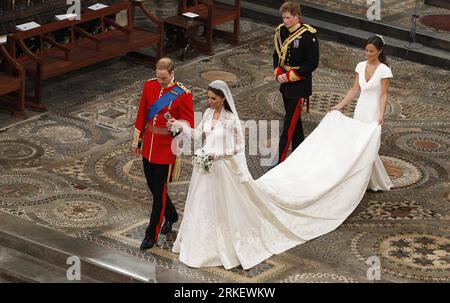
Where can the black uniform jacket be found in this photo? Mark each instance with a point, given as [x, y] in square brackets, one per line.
[296, 54]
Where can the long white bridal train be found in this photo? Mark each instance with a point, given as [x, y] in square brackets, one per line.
[235, 220]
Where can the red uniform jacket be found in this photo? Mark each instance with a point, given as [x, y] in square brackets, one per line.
[156, 145]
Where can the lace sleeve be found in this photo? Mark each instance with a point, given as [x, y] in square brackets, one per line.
[189, 132]
[234, 141]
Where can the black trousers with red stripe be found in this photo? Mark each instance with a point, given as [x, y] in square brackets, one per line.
[156, 175]
[292, 128]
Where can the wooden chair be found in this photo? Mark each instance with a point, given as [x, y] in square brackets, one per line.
[212, 14]
[52, 58]
[12, 80]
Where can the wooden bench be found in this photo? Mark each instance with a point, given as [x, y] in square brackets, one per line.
[12, 84]
[53, 58]
[212, 14]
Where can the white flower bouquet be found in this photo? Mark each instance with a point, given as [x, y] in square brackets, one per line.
[202, 161]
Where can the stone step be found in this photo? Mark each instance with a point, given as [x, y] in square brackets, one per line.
[317, 12]
[356, 36]
[439, 3]
[394, 47]
[54, 248]
[18, 267]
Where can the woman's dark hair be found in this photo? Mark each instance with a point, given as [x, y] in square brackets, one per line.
[378, 42]
[219, 93]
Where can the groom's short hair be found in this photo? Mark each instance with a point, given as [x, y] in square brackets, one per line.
[292, 7]
[165, 63]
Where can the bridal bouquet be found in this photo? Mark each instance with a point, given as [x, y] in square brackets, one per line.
[202, 161]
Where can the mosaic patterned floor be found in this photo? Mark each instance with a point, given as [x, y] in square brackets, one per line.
[72, 168]
[393, 12]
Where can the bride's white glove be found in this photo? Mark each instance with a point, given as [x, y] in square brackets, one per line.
[215, 157]
[175, 126]
[221, 156]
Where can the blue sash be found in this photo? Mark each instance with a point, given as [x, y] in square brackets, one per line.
[164, 101]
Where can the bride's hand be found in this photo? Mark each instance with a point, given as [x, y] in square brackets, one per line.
[381, 121]
[170, 122]
[336, 107]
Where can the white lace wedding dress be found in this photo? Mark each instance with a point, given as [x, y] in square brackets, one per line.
[368, 110]
[231, 219]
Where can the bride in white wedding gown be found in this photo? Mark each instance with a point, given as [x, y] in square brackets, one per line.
[231, 219]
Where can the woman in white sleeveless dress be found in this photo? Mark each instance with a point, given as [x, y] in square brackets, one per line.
[372, 79]
[230, 219]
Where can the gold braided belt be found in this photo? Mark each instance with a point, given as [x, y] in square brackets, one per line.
[159, 130]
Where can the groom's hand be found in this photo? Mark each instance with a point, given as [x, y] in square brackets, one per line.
[282, 78]
[136, 151]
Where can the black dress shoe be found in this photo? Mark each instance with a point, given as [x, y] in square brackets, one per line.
[147, 243]
[167, 227]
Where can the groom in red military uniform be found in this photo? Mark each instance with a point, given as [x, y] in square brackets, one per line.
[161, 99]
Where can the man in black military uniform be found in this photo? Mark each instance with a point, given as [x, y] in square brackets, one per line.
[295, 57]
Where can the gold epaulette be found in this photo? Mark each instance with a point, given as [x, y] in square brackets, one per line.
[310, 28]
[184, 88]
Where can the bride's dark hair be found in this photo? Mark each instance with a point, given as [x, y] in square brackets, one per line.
[379, 44]
[220, 93]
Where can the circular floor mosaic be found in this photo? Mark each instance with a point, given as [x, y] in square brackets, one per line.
[135, 170]
[275, 102]
[61, 133]
[318, 278]
[83, 210]
[389, 210]
[416, 255]
[23, 153]
[201, 99]
[402, 173]
[411, 255]
[219, 75]
[428, 143]
[413, 110]
[16, 151]
[120, 169]
[27, 188]
[19, 190]
[420, 251]
[323, 101]
[80, 211]
[66, 135]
